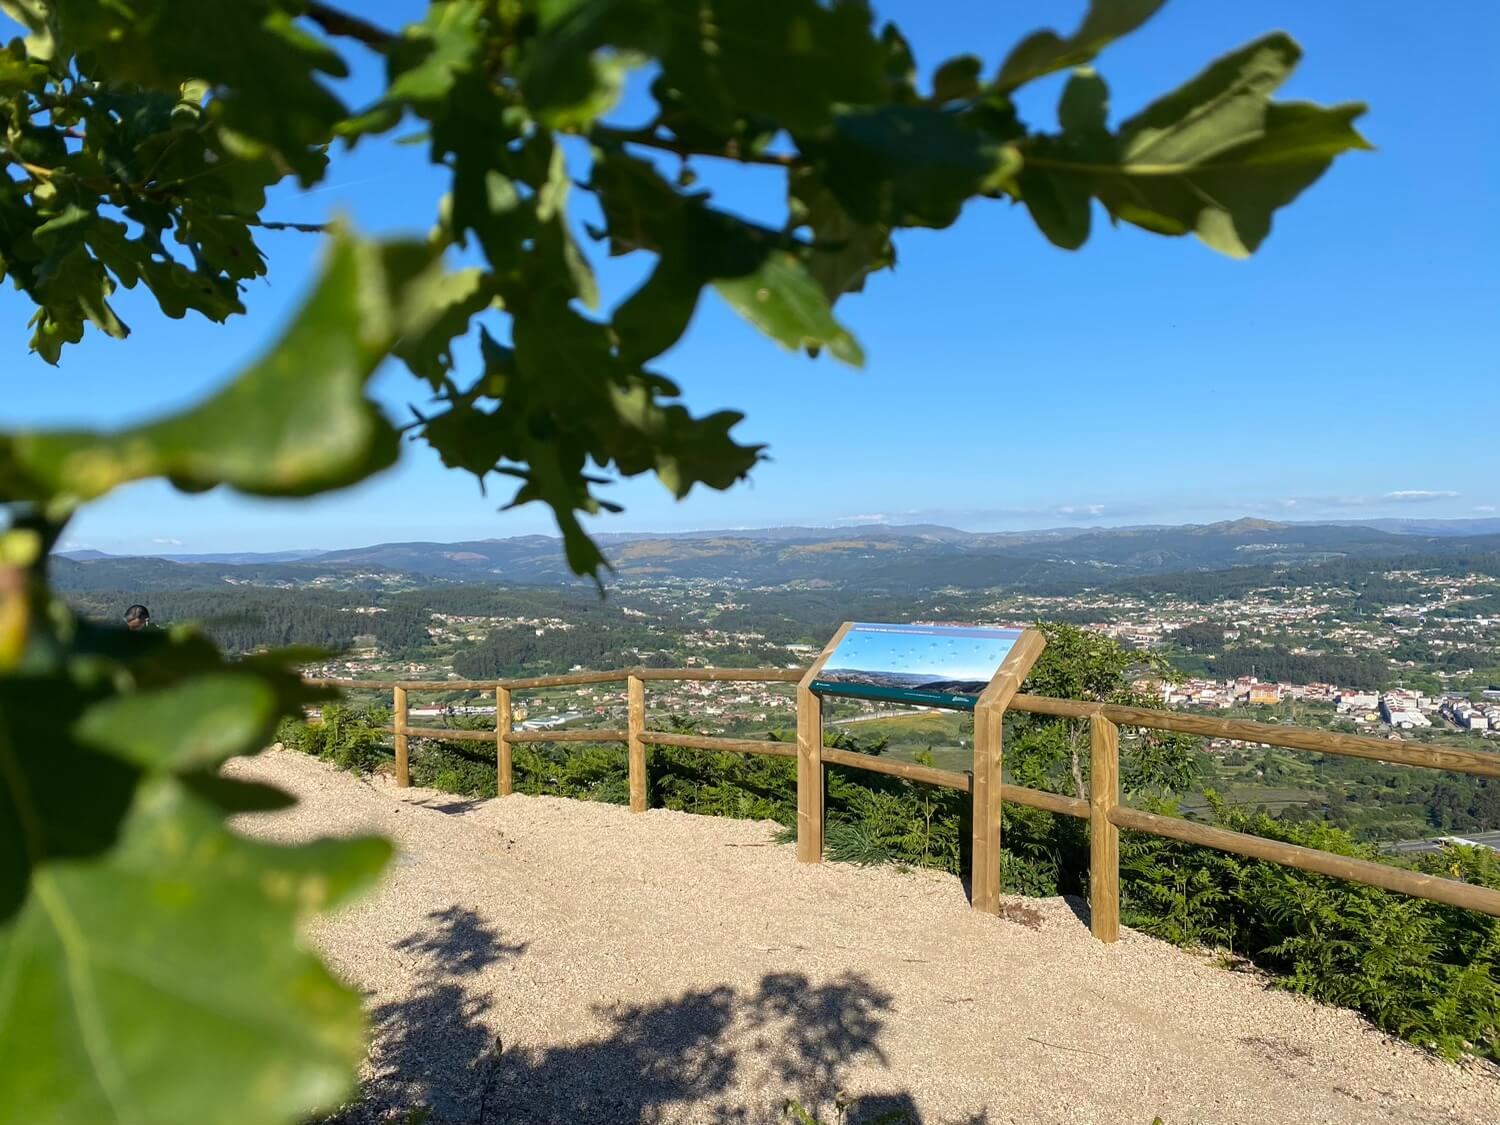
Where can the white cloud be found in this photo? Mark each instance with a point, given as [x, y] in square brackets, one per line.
[1419, 494]
[1484, 507]
[1312, 504]
[167, 542]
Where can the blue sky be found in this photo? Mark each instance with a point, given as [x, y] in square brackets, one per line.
[1347, 371]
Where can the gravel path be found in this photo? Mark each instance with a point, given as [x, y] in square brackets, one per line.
[545, 960]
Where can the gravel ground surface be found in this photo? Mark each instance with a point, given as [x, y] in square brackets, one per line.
[545, 960]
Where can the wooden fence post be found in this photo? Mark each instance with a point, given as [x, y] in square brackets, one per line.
[989, 727]
[810, 755]
[1104, 836]
[984, 876]
[809, 775]
[398, 721]
[502, 745]
[636, 724]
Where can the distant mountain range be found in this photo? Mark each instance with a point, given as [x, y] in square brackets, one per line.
[878, 557]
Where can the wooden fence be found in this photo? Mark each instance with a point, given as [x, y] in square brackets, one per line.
[1103, 810]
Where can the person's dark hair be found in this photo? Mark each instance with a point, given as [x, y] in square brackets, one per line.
[137, 617]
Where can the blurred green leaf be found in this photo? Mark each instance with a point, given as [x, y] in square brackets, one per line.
[265, 70]
[1042, 52]
[844, 251]
[791, 61]
[1060, 200]
[455, 298]
[157, 983]
[956, 78]
[1216, 157]
[45, 814]
[295, 423]
[903, 165]
[151, 969]
[194, 724]
[783, 301]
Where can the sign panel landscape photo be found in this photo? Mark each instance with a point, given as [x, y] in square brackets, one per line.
[936, 665]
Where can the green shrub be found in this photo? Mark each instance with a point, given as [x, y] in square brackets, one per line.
[345, 736]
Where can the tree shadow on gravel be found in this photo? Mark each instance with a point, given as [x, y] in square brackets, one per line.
[683, 1056]
[712, 1055]
[459, 943]
[433, 1049]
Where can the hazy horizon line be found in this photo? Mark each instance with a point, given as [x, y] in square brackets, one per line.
[174, 548]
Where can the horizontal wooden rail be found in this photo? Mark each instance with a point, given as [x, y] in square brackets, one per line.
[733, 745]
[1048, 802]
[1433, 887]
[1102, 809]
[911, 771]
[446, 685]
[446, 734]
[1477, 762]
[562, 736]
[565, 679]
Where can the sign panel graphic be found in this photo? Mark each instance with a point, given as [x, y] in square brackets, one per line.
[936, 665]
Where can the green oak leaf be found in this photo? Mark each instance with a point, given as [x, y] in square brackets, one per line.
[1229, 201]
[1060, 201]
[456, 298]
[296, 422]
[44, 812]
[791, 61]
[425, 61]
[193, 724]
[956, 78]
[570, 396]
[761, 273]
[40, 22]
[263, 67]
[781, 299]
[844, 251]
[1043, 52]
[179, 706]
[565, 73]
[916, 165]
[161, 981]
[20, 70]
[1220, 109]
[1216, 157]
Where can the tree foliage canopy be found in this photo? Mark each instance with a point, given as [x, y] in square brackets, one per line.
[147, 964]
[140, 141]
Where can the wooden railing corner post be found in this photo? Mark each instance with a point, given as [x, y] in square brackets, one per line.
[984, 863]
[810, 770]
[635, 707]
[1104, 835]
[398, 722]
[503, 783]
[988, 786]
[809, 775]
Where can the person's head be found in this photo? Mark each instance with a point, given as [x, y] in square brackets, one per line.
[137, 617]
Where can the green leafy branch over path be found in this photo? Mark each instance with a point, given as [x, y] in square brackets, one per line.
[149, 969]
[141, 142]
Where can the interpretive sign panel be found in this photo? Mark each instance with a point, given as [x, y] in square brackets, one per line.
[936, 665]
